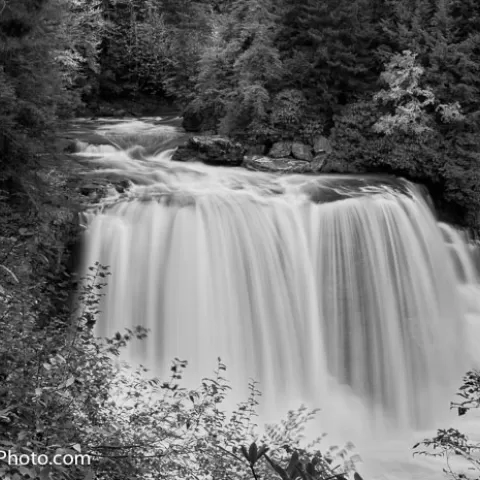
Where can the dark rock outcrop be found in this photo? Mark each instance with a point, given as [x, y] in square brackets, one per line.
[255, 150]
[300, 151]
[321, 144]
[212, 150]
[291, 157]
[334, 164]
[318, 163]
[280, 150]
[283, 165]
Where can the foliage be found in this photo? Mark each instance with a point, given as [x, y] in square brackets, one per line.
[151, 47]
[326, 48]
[410, 101]
[65, 393]
[271, 68]
[451, 443]
[49, 50]
[239, 68]
[256, 69]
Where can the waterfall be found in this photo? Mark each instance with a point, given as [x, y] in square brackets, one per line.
[312, 285]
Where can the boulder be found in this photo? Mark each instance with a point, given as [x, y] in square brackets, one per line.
[318, 162]
[212, 150]
[337, 165]
[255, 150]
[269, 164]
[280, 150]
[321, 144]
[302, 152]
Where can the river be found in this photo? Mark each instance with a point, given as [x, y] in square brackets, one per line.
[341, 292]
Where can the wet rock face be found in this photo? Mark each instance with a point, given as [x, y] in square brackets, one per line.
[321, 144]
[319, 161]
[211, 149]
[300, 151]
[296, 149]
[280, 150]
[291, 157]
[282, 165]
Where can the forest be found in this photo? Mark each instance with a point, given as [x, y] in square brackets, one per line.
[394, 85]
[395, 88]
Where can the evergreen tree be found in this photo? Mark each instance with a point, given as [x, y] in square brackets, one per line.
[152, 47]
[49, 46]
[326, 47]
[239, 69]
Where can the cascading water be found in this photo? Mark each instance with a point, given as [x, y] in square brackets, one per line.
[340, 292]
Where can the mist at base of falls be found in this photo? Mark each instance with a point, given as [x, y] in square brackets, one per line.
[341, 292]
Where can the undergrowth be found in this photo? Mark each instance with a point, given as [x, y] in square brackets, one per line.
[64, 393]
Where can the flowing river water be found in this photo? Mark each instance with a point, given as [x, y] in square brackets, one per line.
[341, 292]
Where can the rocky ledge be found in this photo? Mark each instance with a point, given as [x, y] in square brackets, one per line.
[292, 157]
[212, 150]
[264, 163]
[284, 157]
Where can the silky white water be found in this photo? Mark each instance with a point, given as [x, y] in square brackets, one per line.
[340, 292]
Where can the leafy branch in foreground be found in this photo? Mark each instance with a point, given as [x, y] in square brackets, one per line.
[64, 392]
[451, 443]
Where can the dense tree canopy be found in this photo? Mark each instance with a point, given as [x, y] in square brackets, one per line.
[263, 70]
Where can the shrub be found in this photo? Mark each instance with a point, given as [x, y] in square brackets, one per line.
[450, 443]
[64, 392]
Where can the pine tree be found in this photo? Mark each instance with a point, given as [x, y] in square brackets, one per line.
[239, 69]
[326, 45]
[465, 19]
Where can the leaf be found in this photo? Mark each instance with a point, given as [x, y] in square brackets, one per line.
[61, 358]
[292, 465]
[70, 381]
[26, 471]
[88, 475]
[45, 473]
[252, 453]
[283, 473]
[262, 451]
[77, 447]
[25, 232]
[10, 272]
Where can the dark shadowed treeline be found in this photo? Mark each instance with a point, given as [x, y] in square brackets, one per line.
[48, 57]
[264, 70]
